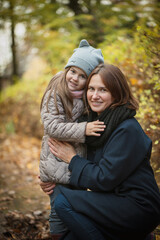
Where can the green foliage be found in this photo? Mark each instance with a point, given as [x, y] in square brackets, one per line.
[30, 88]
[138, 57]
[10, 128]
[128, 32]
[150, 40]
[56, 52]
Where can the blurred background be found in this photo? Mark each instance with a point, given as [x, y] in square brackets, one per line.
[36, 39]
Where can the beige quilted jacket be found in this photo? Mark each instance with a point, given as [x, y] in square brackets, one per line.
[59, 127]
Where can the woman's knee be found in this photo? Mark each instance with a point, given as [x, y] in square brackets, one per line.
[61, 203]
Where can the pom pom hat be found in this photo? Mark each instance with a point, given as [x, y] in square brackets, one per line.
[85, 57]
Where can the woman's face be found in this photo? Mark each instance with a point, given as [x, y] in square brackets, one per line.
[98, 96]
[76, 79]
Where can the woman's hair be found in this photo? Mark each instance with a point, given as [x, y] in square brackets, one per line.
[117, 85]
[59, 85]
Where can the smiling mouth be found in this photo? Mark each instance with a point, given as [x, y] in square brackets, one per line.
[96, 103]
[73, 84]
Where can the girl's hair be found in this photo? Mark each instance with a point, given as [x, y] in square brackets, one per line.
[117, 85]
[59, 85]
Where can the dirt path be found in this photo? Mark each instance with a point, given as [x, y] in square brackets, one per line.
[24, 208]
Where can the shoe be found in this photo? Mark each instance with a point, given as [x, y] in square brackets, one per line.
[56, 236]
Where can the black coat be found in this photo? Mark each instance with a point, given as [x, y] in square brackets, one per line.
[124, 200]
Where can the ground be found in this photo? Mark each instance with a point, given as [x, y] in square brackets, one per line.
[24, 208]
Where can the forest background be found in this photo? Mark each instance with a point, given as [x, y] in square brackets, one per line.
[36, 39]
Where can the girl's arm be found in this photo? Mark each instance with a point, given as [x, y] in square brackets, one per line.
[56, 125]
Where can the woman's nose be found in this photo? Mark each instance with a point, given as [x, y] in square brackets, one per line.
[95, 95]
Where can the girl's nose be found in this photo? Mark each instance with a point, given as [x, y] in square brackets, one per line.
[75, 77]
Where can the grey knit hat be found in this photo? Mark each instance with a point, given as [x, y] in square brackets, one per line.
[85, 57]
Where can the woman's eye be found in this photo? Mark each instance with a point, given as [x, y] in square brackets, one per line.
[90, 89]
[103, 90]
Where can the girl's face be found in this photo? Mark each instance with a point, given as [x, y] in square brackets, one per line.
[76, 79]
[98, 96]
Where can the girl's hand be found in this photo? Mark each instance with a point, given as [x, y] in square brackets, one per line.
[62, 150]
[47, 187]
[93, 127]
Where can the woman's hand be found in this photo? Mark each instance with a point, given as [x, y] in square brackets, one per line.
[93, 127]
[47, 187]
[62, 150]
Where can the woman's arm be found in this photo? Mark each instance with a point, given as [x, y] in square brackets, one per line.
[62, 150]
[121, 155]
[47, 187]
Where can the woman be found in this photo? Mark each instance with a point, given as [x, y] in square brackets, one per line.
[124, 201]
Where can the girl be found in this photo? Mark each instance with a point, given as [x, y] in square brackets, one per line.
[61, 106]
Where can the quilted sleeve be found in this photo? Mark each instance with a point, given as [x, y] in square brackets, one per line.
[56, 125]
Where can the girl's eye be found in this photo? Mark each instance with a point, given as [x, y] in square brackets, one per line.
[73, 71]
[82, 76]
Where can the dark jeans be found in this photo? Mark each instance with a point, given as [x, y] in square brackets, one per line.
[80, 226]
[55, 223]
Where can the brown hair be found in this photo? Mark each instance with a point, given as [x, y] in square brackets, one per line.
[116, 83]
[59, 85]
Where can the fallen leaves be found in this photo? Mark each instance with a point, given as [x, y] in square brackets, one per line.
[24, 208]
[19, 226]
[22, 150]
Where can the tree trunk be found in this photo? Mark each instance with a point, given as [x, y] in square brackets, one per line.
[13, 44]
[75, 7]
